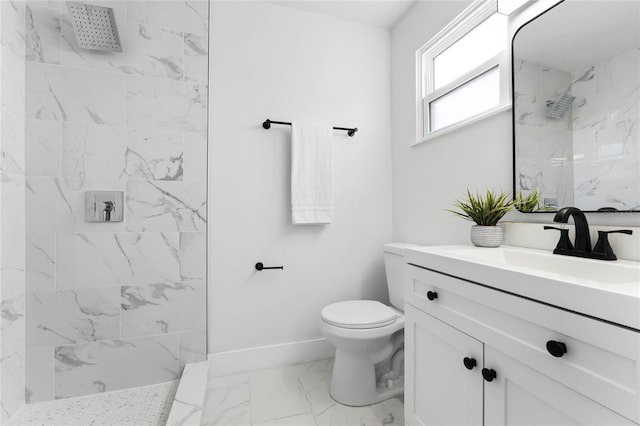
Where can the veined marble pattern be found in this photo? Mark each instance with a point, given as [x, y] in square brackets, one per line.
[111, 259]
[58, 204]
[92, 151]
[147, 51]
[596, 162]
[540, 83]
[193, 252]
[187, 405]
[40, 262]
[190, 15]
[69, 94]
[63, 317]
[154, 155]
[39, 374]
[42, 148]
[13, 31]
[154, 205]
[168, 104]
[12, 226]
[192, 345]
[162, 308]
[196, 56]
[298, 395]
[12, 266]
[12, 373]
[606, 135]
[195, 156]
[544, 155]
[112, 365]
[147, 405]
[12, 313]
[12, 207]
[42, 33]
[133, 121]
[12, 131]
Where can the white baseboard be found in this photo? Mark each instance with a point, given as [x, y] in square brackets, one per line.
[243, 360]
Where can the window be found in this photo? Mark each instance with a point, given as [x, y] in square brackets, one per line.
[463, 72]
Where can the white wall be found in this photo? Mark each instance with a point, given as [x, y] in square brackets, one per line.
[268, 61]
[427, 178]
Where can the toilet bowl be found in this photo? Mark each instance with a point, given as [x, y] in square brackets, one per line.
[369, 340]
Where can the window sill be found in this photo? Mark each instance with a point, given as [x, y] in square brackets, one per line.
[462, 124]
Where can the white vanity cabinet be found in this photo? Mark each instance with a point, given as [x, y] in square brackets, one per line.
[596, 380]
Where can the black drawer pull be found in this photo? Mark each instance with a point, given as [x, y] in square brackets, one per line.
[556, 349]
[469, 363]
[489, 374]
[432, 295]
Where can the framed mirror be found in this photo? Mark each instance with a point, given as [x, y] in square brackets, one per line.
[576, 93]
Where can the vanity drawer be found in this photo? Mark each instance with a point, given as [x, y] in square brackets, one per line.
[602, 361]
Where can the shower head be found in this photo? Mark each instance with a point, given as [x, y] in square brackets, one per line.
[559, 107]
[94, 27]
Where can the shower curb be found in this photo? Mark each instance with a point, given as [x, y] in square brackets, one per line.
[188, 403]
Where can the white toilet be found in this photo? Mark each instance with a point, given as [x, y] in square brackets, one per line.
[369, 340]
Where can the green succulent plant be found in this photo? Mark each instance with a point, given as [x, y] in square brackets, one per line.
[485, 211]
[528, 204]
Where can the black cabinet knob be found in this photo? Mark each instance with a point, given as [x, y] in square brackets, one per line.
[489, 374]
[469, 363]
[432, 295]
[556, 349]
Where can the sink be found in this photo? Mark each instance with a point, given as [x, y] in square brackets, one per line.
[562, 267]
[606, 290]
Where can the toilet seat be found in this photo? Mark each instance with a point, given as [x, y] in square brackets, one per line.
[359, 314]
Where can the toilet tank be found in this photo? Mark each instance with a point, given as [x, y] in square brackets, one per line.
[394, 267]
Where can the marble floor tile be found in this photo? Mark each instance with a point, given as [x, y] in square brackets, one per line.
[268, 397]
[300, 420]
[277, 393]
[227, 401]
[389, 412]
[343, 415]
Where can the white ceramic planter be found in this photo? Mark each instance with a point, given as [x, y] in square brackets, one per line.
[487, 236]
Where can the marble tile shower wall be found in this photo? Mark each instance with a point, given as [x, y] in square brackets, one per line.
[544, 149]
[606, 136]
[12, 208]
[115, 305]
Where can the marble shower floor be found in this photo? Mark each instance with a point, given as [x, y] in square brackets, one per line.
[296, 395]
[146, 405]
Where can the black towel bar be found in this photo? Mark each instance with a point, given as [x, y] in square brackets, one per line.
[267, 125]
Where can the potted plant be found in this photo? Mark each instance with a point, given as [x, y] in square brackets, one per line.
[485, 212]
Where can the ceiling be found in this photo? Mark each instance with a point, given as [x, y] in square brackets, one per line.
[380, 13]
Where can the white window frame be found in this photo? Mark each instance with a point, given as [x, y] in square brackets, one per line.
[470, 18]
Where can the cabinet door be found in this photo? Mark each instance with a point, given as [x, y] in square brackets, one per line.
[439, 389]
[520, 395]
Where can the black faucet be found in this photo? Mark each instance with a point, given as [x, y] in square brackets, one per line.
[582, 243]
[583, 239]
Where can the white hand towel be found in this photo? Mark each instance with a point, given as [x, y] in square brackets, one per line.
[311, 174]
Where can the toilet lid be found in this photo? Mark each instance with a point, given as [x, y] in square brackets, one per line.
[359, 314]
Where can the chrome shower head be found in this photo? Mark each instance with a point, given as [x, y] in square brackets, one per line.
[94, 27]
[559, 107]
